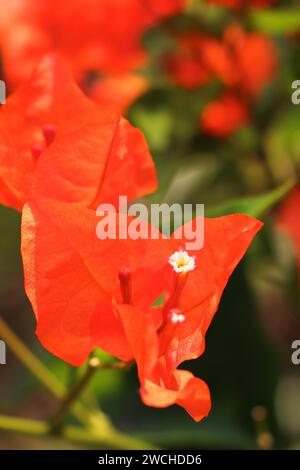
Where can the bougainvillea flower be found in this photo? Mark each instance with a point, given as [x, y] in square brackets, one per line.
[185, 66]
[94, 42]
[89, 293]
[57, 141]
[288, 219]
[223, 117]
[197, 60]
[247, 49]
[200, 58]
[196, 282]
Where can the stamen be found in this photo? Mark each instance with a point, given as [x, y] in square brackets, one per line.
[176, 316]
[36, 150]
[125, 277]
[49, 132]
[182, 262]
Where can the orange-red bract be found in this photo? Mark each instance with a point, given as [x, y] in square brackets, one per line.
[56, 142]
[162, 384]
[89, 293]
[200, 58]
[254, 59]
[78, 273]
[222, 117]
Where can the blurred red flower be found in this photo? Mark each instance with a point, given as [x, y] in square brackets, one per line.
[88, 293]
[224, 116]
[254, 60]
[49, 110]
[289, 221]
[197, 60]
[91, 35]
[244, 62]
[200, 58]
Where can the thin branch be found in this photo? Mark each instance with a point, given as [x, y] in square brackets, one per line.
[37, 368]
[75, 434]
[94, 364]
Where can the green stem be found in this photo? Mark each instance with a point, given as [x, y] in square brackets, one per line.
[37, 368]
[30, 361]
[93, 438]
[23, 426]
[100, 430]
[94, 364]
[72, 396]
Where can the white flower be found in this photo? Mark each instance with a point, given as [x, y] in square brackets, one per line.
[182, 262]
[176, 316]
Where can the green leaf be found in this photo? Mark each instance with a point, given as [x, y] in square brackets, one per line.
[159, 301]
[282, 143]
[253, 206]
[279, 21]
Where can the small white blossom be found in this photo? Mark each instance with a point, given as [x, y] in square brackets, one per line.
[176, 316]
[182, 262]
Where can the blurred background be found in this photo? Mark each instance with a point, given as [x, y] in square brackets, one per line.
[210, 85]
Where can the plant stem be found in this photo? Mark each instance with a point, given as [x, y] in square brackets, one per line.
[37, 368]
[23, 426]
[100, 430]
[94, 364]
[30, 361]
[94, 438]
[72, 396]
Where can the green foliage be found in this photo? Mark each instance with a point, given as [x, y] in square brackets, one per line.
[254, 206]
[277, 22]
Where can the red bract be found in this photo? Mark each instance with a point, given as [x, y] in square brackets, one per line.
[41, 126]
[254, 60]
[89, 293]
[199, 59]
[222, 117]
[196, 283]
[288, 219]
[71, 278]
[92, 36]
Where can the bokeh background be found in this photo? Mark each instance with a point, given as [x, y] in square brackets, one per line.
[234, 157]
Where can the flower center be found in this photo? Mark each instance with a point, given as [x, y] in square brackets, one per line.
[176, 316]
[182, 262]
